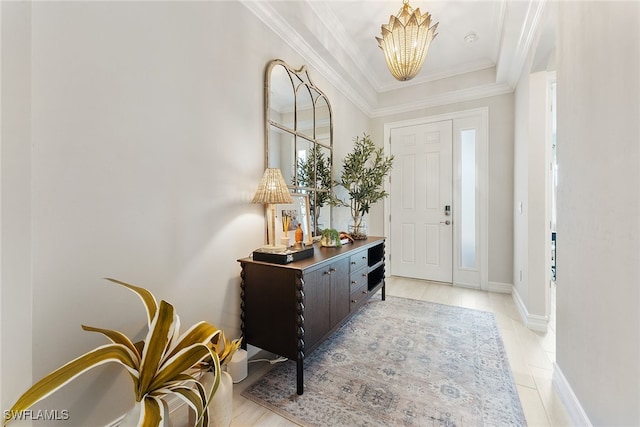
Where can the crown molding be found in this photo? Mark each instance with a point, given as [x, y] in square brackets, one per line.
[511, 61]
[513, 52]
[418, 80]
[276, 23]
[477, 92]
[341, 37]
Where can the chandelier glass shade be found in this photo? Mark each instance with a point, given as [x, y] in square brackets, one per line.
[405, 41]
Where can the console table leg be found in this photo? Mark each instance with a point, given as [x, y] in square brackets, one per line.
[299, 376]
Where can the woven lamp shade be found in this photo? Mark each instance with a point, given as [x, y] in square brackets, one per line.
[272, 188]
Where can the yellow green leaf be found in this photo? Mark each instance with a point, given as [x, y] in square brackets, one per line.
[152, 412]
[139, 346]
[229, 349]
[68, 372]
[147, 298]
[193, 399]
[179, 363]
[204, 419]
[180, 379]
[156, 344]
[201, 332]
[159, 365]
[116, 337]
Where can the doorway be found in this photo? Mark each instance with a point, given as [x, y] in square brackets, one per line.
[421, 201]
[437, 209]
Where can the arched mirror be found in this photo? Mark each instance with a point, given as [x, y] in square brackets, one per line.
[299, 137]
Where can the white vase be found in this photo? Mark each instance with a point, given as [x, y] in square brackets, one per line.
[221, 405]
[132, 417]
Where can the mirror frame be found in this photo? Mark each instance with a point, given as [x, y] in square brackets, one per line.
[300, 81]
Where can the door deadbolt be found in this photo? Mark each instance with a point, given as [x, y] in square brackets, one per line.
[447, 210]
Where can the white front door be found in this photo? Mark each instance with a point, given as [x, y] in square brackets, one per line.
[421, 235]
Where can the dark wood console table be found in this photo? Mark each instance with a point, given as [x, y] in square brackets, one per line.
[290, 309]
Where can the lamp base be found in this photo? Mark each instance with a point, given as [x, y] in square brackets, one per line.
[273, 248]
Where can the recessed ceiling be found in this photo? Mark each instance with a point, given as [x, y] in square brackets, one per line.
[337, 37]
[448, 54]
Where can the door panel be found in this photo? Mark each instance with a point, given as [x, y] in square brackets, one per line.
[433, 245]
[421, 187]
[408, 243]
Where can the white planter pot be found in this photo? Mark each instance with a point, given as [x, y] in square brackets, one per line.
[221, 406]
[328, 243]
[131, 418]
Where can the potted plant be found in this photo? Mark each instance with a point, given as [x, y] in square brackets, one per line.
[221, 405]
[162, 364]
[315, 172]
[363, 173]
[330, 237]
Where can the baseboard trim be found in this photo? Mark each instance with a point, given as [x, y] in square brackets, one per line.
[498, 287]
[568, 398]
[532, 321]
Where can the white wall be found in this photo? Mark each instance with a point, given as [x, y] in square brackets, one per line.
[347, 125]
[500, 231]
[531, 225]
[137, 158]
[598, 277]
[15, 202]
[530, 228]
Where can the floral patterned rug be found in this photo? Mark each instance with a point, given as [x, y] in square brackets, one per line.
[400, 362]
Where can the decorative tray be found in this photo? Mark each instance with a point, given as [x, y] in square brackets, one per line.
[283, 257]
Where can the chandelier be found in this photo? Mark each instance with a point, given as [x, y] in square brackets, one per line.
[405, 41]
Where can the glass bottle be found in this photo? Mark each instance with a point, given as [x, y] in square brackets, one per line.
[299, 234]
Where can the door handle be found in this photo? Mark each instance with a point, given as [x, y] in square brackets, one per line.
[447, 222]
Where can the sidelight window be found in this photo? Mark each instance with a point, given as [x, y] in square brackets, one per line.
[468, 200]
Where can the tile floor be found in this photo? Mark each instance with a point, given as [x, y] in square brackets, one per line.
[531, 355]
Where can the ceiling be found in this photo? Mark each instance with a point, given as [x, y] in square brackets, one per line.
[337, 38]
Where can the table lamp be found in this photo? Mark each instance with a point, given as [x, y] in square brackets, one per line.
[272, 190]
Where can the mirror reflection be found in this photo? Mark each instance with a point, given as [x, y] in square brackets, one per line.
[323, 121]
[282, 152]
[304, 111]
[282, 97]
[299, 137]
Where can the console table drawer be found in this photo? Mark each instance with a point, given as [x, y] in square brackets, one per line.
[358, 261]
[359, 296]
[358, 279]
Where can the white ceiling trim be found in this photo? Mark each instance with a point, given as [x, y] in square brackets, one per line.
[501, 19]
[511, 57]
[339, 34]
[477, 92]
[511, 61]
[275, 22]
[464, 69]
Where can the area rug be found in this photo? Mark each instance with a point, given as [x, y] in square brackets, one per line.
[400, 362]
